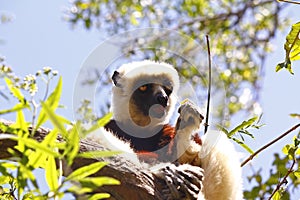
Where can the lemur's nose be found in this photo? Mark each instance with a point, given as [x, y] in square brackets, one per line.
[162, 99]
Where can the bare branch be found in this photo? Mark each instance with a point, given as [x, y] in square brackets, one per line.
[269, 144]
[284, 180]
[209, 85]
[290, 1]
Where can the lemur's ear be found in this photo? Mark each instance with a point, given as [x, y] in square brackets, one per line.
[115, 78]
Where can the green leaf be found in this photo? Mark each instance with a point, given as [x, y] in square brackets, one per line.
[26, 173]
[292, 40]
[22, 126]
[247, 132]
[52, 101]
[17, 107]
[242, 144]
[55, 119]
[38, 158]
[72, 147]
[223, 129]
[287, 64]
[292, 48]
[30, 143]
[104, 120]
[276, 196]
[88, 23]
[79, 190]
[296, 142]
[16, 92]
[4, 180]
[100, 123]
[51, 174]
[21, 123]
[297, 173]
[8, 165]
[290, 151]
[244, 124]
[295, 55]
[36, 145]
[286, 149]
[99, 196]
[98, 154]
[85, 171]
[96, 182]
[134, 18]
[295, 115]
[291, 154]
[29, 196]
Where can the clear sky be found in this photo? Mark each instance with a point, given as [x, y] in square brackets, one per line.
[39, 37]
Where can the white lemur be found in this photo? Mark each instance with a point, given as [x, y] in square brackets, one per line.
[143, 100]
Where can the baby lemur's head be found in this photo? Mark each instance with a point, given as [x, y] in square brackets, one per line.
[144, 93]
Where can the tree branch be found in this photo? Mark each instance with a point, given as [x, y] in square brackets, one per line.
[136, 182]
[209, 85]
[284, 180]
[269, 144]
[289, 1]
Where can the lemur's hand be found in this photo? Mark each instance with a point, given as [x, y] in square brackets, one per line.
[190, 117]
[180, 182]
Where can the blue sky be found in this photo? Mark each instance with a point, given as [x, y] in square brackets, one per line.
[39, 37]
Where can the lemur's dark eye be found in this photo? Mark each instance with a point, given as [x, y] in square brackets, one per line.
[143, 88]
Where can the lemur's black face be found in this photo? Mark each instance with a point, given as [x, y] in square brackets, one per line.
[152, 99]
[148, 97]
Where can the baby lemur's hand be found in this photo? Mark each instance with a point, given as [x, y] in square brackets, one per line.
[190, 117]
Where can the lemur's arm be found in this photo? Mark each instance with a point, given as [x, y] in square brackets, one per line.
[216, 156]
[187, 124]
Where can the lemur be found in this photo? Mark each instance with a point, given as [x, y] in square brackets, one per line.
[144, 96]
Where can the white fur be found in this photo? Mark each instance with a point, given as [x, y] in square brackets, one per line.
[220, 162]
[222, 171]
[187, 149]
[217, 156]
[112, 143]
[131, 72]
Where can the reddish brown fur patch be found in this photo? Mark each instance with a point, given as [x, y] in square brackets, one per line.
[197, 139]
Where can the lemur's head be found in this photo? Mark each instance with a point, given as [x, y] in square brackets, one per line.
[144, 93]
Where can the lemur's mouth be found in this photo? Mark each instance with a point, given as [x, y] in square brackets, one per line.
[157, 111]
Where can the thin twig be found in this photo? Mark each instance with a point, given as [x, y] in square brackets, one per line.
[290, 1]
[209, 85]
[284, 180]
[34, 114]
[47, 88]
[269, 144]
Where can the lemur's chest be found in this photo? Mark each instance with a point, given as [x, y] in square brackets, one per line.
[159, 145]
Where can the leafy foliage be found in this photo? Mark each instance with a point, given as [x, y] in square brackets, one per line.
[242, 130]
[283, 175]
[292, 48]
[240, 31]
[17, 177]
[295, 115]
